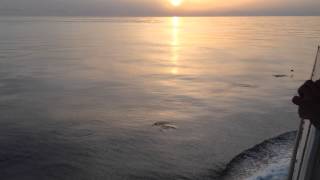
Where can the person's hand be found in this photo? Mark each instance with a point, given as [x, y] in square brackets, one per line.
[308, 101]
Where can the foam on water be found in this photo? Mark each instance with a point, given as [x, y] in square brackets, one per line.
[269, 160]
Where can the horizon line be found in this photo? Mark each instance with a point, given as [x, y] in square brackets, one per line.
[115, 16]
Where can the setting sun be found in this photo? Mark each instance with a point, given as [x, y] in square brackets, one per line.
[176, 2]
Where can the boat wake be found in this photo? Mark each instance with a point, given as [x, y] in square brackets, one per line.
[269, 160]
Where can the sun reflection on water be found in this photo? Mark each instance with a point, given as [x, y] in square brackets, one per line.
[175, 43]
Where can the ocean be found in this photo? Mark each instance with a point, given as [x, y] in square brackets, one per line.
[151, 98]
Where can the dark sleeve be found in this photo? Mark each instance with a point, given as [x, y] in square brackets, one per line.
[316, 123]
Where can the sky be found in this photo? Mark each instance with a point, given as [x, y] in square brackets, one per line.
[157, 7]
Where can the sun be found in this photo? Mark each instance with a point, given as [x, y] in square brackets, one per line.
[176, 3]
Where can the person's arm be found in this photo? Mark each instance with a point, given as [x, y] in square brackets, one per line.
[308, 100]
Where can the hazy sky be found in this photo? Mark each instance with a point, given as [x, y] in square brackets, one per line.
[158, 7]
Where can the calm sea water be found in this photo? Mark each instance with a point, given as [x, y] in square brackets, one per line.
[79, 96]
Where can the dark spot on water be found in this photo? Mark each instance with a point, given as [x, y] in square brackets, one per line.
[161, 123]
[280, 75]
[246, 85]
[165, 125]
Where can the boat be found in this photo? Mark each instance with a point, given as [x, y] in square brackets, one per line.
[305, 163]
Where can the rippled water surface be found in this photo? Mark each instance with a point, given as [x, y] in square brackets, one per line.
[145, 98]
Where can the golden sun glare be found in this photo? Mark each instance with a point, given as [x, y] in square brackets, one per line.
[176, 3]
